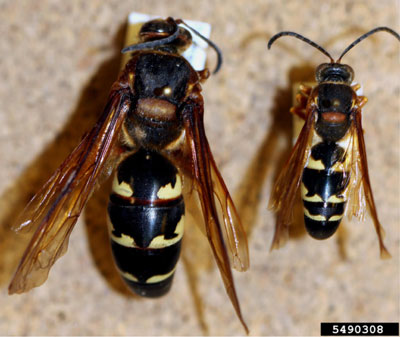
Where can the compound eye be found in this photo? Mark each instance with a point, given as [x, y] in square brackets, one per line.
[350, 73]
[184, 41]
[320, 71]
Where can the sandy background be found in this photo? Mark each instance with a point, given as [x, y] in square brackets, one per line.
[58, 61]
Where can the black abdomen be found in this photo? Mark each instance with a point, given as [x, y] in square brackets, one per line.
[324, 184]
[146, 219]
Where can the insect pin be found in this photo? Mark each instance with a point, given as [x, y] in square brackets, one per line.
[152, 133]
[328, 163]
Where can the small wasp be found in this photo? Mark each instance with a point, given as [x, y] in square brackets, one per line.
[152, 132]
[329, 161]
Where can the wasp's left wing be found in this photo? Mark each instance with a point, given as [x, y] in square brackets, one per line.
[209, 183]
[286, 187]
[54, 210]
[360, 196]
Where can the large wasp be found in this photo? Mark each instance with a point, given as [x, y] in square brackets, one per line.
[329, 161]
[152, 132]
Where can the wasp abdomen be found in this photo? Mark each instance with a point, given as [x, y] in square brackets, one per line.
[146, 213]
[324, 185]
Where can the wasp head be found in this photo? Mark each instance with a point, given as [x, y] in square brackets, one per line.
[167, 36]
[161, 30]
[334, 72]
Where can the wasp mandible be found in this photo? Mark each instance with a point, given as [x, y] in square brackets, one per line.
[152, 133]
[328, 163]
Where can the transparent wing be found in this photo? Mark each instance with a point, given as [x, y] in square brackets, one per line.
[235, 234]
[356, 204]
[360, 196]
[54, 210]
[208, 182]
[285, 190]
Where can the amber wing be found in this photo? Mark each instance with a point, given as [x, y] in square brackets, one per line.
[209, 183]
[285, 190]
[360, 195]
[54, 210]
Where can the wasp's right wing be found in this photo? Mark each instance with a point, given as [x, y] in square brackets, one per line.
[208, 183]
[54, 210]
[361, 197]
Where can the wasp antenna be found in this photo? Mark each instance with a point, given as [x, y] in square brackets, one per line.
[210, 43]
[155, 43]
[362, 37]
[302, 38]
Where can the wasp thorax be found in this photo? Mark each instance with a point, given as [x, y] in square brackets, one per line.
[335, 102]
[334, 97]
[334, 72]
